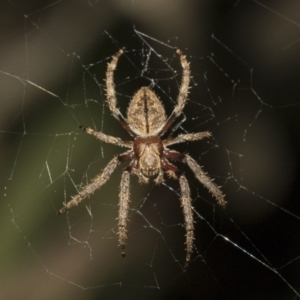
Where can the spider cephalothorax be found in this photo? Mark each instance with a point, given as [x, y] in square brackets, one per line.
[149, 155]
[148, 152]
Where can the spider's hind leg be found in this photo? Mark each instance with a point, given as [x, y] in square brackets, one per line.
[111, 93]
[184, 88]
[110, 85]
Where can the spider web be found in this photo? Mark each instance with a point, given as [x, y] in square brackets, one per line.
[244, 90]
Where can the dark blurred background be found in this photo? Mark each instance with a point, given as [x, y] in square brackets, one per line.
[245, 64]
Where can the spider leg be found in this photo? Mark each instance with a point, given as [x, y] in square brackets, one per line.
[168, 124]
[185, 199]
[97, 182]
[110, 85]
[107, 138]
[123, 209]
[183, 92]
[188, 216]
[184, 88]
[111, 94]
[187, 137]
[205, 179]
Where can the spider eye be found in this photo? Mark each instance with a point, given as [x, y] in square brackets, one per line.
[149, 172]
[149, 165]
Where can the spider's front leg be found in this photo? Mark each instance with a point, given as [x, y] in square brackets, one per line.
[188, 216]
[123, 209]
[185, 199]
[195, 167]
[205, 180]
[97, 182]
[89, 189]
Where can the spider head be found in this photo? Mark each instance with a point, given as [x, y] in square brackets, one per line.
[148, 151]
[149, 164]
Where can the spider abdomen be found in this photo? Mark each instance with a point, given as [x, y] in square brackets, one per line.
[146, 114]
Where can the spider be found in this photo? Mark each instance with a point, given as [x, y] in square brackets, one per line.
[148, 153]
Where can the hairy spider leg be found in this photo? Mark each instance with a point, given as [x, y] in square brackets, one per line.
[186, 201]
[123, 209]
[188, 137]
[111, 93]
[186, 204]
[202, 176]
[107, 138]
[184, 88]
[97, 182]
[205, 179]
[183, 92]
[185, 190]
[110, 85]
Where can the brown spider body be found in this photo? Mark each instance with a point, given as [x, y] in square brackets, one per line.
[148, 153]
[146, 114]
